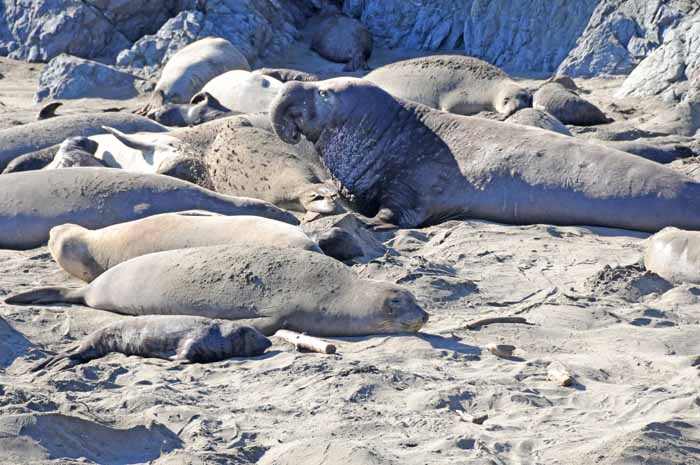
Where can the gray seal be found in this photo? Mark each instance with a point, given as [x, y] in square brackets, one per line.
[458, 84]
[567, 106]
[86, 253]
[538, 119]
[262, 287]
[75, 151]
[179, 338]
[674, 255]
[207, 108]
[31, 137]
[287, 74]
[33, 202]
[343, 40]
[408, 165]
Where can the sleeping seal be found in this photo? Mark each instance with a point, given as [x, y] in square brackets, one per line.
[183, 338]
[263, 287]
[567, 106]
[343, 40]
[33, 202]
[674, 255]
[189, 114]
[287, 74]
[458, 84]
[86, 254]
[410, 165]
[538, 119]
[241, 91]
[75, 151]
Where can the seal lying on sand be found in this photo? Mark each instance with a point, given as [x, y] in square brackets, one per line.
[287, 74]
[75, 151]
[567, 106]
[193, 66]
[410, 165]
[241, 91]
[33, 202]
[674, 255]
[266, 288]
[344, 40]
[458, 84]
[183, 338]
[87, 254]
[31, 137]
[538, 119]
[189, 114]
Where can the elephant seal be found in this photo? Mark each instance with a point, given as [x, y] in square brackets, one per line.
[538, 119]
[75, 151]
[674, 255]
[343, 39]
[567, 106]
[241, 91]
[191, 67]
[266, 288]
[411, 165]
[32, 160]
[33, 202]
[31, 137]
[188, 339]
[189, 114]
[286, 74]
[48, 111]
[458, 84]
[681, 120]
[86, 254]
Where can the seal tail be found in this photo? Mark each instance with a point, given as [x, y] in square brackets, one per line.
[48, 295]
[73, 358]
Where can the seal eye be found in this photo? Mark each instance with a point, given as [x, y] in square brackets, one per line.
[265, 83]
[323, 93]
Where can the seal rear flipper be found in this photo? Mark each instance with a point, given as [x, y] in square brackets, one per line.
[48, 295]
[50, 362]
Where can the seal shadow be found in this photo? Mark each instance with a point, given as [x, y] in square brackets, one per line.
[449, 343]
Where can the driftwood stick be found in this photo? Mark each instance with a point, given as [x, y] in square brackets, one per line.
[501, 350]
[306, 342]
[557, 372]
[477, 324]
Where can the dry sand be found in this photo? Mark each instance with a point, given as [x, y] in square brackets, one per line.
[630, 340]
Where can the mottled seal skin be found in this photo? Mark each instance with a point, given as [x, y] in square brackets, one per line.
[343, 40]
[33, 202]
[188, 339]
[241, 91]
[189, 114]
[86, 254]
[674, 255]
[266, 288]
[287, 74]
[567, 106]
[193, 66]
[457, 84]
[538, 119]
[31, 137]
[409, 165]
[73, 152]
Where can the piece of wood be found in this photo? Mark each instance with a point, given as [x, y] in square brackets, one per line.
[477, 420]
[501, 350]
[306, 342]
[557, 372]
[477, 324]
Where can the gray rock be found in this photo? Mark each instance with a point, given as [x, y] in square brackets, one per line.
[69, 77]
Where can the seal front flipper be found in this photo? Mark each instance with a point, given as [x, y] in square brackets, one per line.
[49, 295]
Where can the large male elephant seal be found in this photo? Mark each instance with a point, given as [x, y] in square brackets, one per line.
[31, 137]
[266, 288]
[33, 202]
[458, 84]
[674, 255]
[206, 109]
[241, 91]
[189, 339]
[193, 66]
[410, 165]
[344, 40]
[567, 106]
[86, 254]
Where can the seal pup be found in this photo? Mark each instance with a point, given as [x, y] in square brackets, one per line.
[408, 165]
[453, 83]
[189, 114]
[188, 339]
[538, 119]
[567, 106]
[191, 67]
[241, 91]
[75, 151]
[31, 137]
[343, 39]
[86, 253]
[674, 255]
[33, 202]
[287, 74]
[264, 287]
